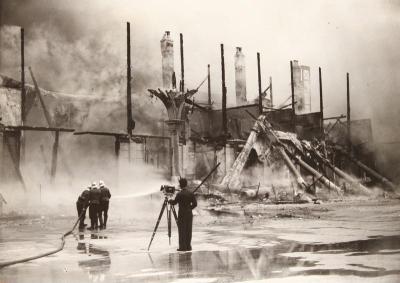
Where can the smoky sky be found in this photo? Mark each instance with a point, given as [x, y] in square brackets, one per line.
[79, 47]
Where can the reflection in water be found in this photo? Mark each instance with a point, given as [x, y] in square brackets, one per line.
[97, 267]
[185, 264]
[180, 264]
[267, 262]
[286, 259]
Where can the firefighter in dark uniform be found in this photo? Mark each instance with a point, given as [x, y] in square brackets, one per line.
[81, 205]
[104, 203]
[94, 209]
[187, 202]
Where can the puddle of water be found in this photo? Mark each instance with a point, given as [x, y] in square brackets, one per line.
[280, 251]
[287, 259]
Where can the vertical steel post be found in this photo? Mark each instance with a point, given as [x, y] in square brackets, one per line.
[292, 89]
[209, 85]
[260, 105]
[321, 103]
[21, 144]
[224, 118]
[23, 94]
[54, 157]
[270, 89]
[182, 64]
[117, 147]
[209, 114]
[348, 113]
[129, 79]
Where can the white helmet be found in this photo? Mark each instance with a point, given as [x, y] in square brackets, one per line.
[94, 185]
[101, 184]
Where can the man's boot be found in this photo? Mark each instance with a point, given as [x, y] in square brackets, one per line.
[105, 221]
[91, 225]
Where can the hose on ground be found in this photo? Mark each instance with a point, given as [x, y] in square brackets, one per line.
[12, 262]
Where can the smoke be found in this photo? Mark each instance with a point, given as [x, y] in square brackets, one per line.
[132, 184]
[72, 49]
[80, 48]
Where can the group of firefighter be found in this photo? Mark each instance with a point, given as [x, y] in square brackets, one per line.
[97, 198]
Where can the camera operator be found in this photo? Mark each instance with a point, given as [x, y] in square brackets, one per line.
[187, 202]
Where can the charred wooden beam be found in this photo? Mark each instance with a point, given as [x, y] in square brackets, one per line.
[352, 181]
[152, 137]
[335, 117]
[101, 133]
[233, 173]
[190, 102]
[374, 174]
[261, 126]
[251, 115]
[49, 121]
[292, 168]
[120, 135]
[39, 95]
[325, 181]
[287, 105]
[42, 129]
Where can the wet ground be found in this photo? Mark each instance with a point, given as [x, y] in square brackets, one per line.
[338, 242]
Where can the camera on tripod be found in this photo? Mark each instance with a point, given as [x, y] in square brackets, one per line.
[168, 190]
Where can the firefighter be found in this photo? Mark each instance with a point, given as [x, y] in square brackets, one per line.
[81, 205]
[104, 203]
[94, 209]
[187, 202]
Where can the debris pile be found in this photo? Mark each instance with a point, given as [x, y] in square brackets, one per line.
[312, 173]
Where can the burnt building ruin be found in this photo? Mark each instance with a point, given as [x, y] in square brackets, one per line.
[251, 137]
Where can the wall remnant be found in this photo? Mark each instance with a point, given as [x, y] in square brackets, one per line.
[240, 77]
[302, 89]
[167, 52]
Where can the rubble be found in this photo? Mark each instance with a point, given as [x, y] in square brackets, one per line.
[293, 152]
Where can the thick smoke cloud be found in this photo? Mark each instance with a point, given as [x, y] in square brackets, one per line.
[60, 47]
[79, 47]
[81, 50]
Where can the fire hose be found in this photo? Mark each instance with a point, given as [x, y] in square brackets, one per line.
[61, 247]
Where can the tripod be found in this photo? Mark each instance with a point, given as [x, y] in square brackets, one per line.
[170, 208]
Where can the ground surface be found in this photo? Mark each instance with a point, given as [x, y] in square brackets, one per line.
[354, 241]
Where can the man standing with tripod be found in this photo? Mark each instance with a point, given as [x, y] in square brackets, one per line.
[187, 202]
